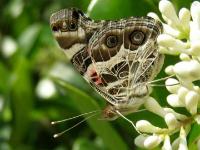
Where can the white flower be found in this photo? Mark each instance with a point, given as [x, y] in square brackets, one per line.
[191, 102]
[187, 70]
[152, 105]
[152, 141]
[139, 140]
[183, 141]
[181, 37]
[147, 127]
[169, 13]
[167, 145]
[172, 85]
[174, 100]
[171, 121]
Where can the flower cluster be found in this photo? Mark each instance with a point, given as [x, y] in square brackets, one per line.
[181, 37]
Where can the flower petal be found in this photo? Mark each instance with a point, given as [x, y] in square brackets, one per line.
[172, 85]
[188, 70]
[147, 127]
[152, 141]
[152, 105]
[195, 12]
[183, 141]
[139, 140]
[184, 16]
[174, 100]
[191, 101]
[167, 9]
[171, 121]
[167, 144]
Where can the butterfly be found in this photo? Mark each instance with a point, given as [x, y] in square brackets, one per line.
[117, 58]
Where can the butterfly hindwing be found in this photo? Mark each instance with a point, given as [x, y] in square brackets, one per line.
[124, 58]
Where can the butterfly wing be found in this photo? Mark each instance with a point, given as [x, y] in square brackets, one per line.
[119, 59]
[124, 58]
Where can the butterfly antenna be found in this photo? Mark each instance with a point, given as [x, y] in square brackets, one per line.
[85, 119]
[121, 115]
[140, 110]
[161, 79]
[64, 120]
[162, 85]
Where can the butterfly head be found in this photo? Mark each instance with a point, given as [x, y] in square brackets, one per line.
[109, 113]
[65, 25]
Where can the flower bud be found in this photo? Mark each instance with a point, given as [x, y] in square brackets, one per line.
[195, 48]
[170, 51]
[174, 101]
[188, 70]
[182, 92]
[191, 101]
[167, 9]
[172, 85]
[175, 143]
[153, 106]
[194, 32]
[177, 115]
[167, 144]
[183, 141]
[169, 70]
[184, 57]
[153, 15]
[152, 141]
[139, 140]
[171, 31]
[169, 41]
[171, 121]
[145, 126]
[184, 16]
[195, 12]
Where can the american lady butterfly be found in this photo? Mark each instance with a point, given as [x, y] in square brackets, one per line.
[117, 58]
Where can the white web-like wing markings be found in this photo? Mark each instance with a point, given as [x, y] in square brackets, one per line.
[136, 60]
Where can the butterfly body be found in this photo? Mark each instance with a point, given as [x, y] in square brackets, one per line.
[117, 58]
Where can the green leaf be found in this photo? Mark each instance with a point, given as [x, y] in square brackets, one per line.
[4, 73]
[193, 136]
[122, 8]
[28, 38]
[21, 96]
[84, 144]
[85, 103]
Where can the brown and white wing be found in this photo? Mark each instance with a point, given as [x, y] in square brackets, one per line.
[122, 53]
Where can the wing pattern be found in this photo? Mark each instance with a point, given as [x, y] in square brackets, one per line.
[117, 58]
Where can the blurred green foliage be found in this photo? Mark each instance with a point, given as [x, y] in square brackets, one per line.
[29, 54]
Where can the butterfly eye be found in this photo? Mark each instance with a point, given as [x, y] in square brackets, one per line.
[137, 37]
[73, 26]
[111, 41]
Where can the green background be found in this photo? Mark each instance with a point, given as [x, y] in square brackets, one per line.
[24, 116]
